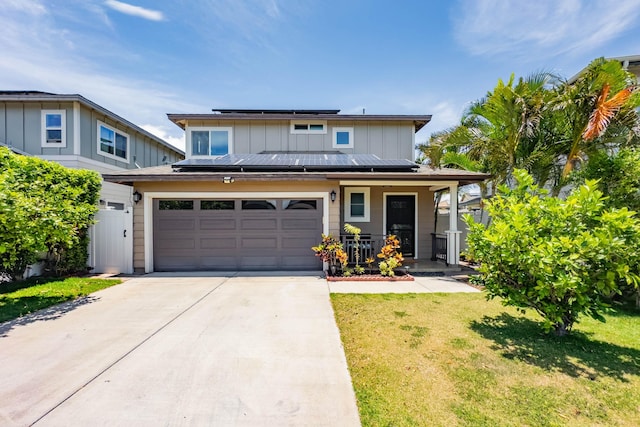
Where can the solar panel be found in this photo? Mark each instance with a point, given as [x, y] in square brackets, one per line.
[296, 162]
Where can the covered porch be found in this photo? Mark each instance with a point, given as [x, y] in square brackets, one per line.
[404, 208]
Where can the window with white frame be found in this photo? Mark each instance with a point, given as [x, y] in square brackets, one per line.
[113, 142]
[209, 141]
[53, 128]
[342, 137]
[356, 204]
[308, 126]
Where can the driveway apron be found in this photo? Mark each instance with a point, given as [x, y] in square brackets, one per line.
[167, 349]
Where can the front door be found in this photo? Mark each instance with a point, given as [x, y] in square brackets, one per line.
[401, 221]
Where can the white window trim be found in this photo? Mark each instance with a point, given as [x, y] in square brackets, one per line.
[335, 137]
[309, 131]
[63, 124]
[347, 204]
[109, 155]
[189, 151]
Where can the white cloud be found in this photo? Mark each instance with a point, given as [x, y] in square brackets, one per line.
[163, 133]
[32, 7]
[543, 28]
[38, 53]
[129, 9]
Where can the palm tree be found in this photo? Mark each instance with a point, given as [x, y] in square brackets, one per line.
[497, 133]
[588, 118]
[543, 125]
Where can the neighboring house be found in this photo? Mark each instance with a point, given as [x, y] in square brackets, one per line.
[77, 133]
[258, 187]
[630, 63]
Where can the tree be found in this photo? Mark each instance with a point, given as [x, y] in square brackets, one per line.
[560, 258]
[496, 132]
[588, 119]
[543, 125]
[618, 176]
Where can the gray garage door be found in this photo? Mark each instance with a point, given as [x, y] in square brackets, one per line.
[206, 234]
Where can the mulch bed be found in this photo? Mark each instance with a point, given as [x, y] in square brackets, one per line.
[370, 278]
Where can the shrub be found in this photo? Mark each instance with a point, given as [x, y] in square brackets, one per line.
[330, 251]
[355, 232]
[561, 258]
[390, 256]
[44, 208]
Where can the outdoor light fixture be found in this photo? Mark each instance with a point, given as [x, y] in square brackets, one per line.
[137, 197]
[333, 195]
[227, 179]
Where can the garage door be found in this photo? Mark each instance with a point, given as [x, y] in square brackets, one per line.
[208, 234]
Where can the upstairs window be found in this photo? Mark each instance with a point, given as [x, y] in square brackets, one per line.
[308, 126]
[342, 137]
[53, 128]
[215, 141]
[112, 142]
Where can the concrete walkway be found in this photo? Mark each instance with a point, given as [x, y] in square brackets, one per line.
[188, 350]
[420, 285]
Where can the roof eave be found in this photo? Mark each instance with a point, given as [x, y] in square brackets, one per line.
[419, 121]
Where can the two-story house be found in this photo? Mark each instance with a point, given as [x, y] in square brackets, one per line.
[78, 133]
[259, 187]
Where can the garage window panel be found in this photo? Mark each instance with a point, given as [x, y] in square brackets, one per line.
[259, 204]
[217, 205]
[299, 204]
[176, 205]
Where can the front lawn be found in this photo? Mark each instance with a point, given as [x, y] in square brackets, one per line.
[18, 299]
[457, 359]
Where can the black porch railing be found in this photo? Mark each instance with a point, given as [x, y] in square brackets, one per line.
[368, 247]
[439, 247]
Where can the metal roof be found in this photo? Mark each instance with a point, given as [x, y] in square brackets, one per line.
[283, 162]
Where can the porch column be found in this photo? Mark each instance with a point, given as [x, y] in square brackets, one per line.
[453, 235]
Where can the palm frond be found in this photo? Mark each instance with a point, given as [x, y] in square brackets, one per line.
[605, 110]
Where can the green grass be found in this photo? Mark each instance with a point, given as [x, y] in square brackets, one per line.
[20, 298]
[459, 360]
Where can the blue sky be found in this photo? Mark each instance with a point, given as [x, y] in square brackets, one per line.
[142, 59]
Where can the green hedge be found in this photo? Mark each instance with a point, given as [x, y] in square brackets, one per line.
[44, 208]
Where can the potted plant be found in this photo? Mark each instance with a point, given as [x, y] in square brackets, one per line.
[331, 251]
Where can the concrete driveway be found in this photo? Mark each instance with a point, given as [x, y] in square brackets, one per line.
[174, 350]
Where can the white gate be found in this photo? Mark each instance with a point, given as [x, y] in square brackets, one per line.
[112, 241]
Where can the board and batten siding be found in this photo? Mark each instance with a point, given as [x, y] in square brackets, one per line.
[21, 126]
[142, 150]
[387, 140]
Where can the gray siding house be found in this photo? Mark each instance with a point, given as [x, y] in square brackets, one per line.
[258, 187]
[77, 133]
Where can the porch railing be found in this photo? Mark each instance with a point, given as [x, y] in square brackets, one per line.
[439, 247]
[368, 247]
